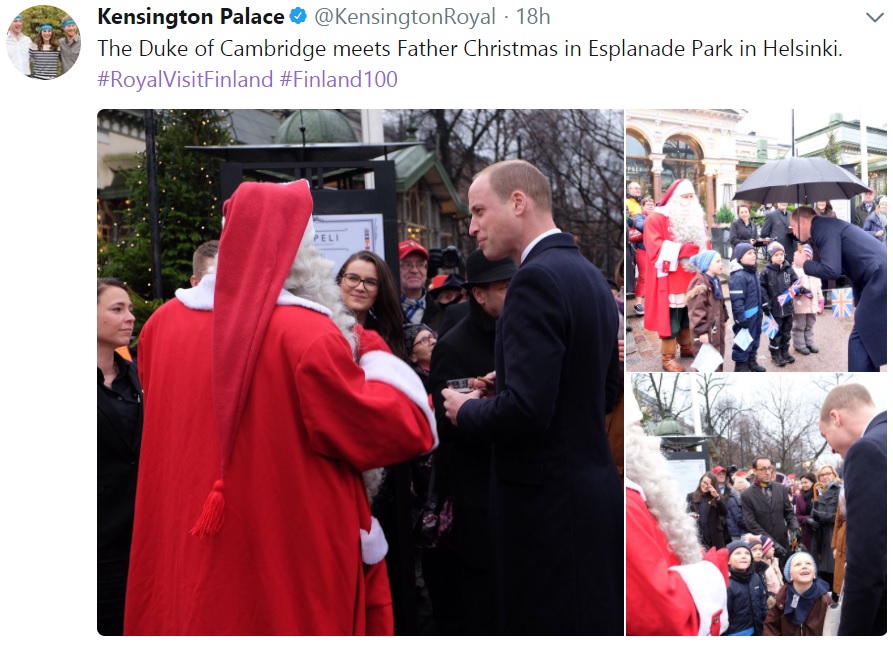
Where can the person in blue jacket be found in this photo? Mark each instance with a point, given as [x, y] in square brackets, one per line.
[843, 249]
[747, 306]
[746, 595]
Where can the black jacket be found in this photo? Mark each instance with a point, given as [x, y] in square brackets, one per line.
[556, 498]
[825, 511]
[775, 227]
[775, 280]
[745, 293]
[773, 517]
[746, 604]
[740, 232]
[117, 461]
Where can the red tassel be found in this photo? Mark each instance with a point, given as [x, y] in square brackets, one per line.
[211, 518]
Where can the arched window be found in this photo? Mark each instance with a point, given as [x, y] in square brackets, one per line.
[638, 162]
[682, 160]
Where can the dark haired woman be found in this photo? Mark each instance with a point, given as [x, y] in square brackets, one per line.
[119, 424]
[708, 507]
[45, 54]
[368, 289]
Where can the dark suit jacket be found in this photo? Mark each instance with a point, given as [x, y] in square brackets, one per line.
[765, 517]
[117, 460]
[865, 582]
[775, 227]
[556, 498]
[844, 249]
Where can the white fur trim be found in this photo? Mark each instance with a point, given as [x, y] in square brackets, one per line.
[634, 486]
[708, 589]
[387, 368]
[374, 544]
[201, 297]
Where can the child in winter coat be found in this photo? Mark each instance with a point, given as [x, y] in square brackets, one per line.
[707, 313]
[746, 297]
[746, 595]
[780, 286]
[801, 604]
[806, 307]
[773, 577]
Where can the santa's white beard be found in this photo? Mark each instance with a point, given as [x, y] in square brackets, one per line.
[686, 222]
[647, 467]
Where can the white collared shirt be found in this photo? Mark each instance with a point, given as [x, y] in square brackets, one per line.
[536, 240]
[19, 51]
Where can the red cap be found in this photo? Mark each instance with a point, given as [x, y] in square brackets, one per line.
[411, 246]
[437, 281]
[718, 469]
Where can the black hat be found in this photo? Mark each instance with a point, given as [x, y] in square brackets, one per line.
[482, 271]
[451, 281]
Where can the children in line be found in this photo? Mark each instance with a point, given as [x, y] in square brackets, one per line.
[707, 313]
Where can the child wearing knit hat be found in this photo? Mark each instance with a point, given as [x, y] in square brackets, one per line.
[707, 312]
[746, 595]
[801, 604]
[746, 297]
[806, 307]
[780, 285]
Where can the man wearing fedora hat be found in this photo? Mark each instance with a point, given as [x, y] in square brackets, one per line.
[463, 462]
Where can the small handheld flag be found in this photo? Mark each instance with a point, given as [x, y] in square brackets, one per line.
[842, 303]
[788, 295]
[770, 327]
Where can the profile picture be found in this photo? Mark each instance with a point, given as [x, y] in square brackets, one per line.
[43, 42]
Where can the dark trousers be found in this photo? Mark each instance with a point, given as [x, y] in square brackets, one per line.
[782, 340]
[754, 325]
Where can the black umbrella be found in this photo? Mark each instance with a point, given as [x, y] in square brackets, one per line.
[800, 180]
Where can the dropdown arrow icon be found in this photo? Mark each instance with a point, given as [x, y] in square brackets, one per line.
[873, 19]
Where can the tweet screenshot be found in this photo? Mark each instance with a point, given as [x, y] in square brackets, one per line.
[420, 319]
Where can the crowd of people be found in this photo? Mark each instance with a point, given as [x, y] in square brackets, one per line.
[46, 54]
[679, 292]
[375, 444]
[787, 546]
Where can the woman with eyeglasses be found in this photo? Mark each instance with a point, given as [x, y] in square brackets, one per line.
[824, 512]
[419, 341]
[370, 292]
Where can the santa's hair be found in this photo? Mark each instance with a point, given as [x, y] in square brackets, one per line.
[646, 467]
[311, 277]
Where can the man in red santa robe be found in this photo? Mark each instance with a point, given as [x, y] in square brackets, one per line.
[253, 392]
[672, 587]
[673, 234]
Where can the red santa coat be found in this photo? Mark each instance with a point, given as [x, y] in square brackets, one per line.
[658, 289]
[664, 597]
[288, 557]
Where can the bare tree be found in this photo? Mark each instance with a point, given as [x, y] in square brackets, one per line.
[790, 425]
[667, 397]
[581, 151]
[720, 414]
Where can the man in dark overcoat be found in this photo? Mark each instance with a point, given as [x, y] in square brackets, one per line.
[850, 422]
[556, 498]
[463, 458]
[843, 249]
[767, 509]
[777, 226]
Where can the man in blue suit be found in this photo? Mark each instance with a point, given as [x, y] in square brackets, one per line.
[852, 426]
[556, 499]
[844, 249]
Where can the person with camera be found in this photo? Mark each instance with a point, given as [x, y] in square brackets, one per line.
[708, 508]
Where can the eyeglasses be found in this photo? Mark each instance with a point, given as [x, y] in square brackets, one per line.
[425, 340]
[767, 469]
[353, 281]
[413, 266]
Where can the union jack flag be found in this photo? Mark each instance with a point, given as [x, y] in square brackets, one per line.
[842, 303]
[788, 295]
[770, 327]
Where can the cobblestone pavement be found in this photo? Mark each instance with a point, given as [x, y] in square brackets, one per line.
[831, 334]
